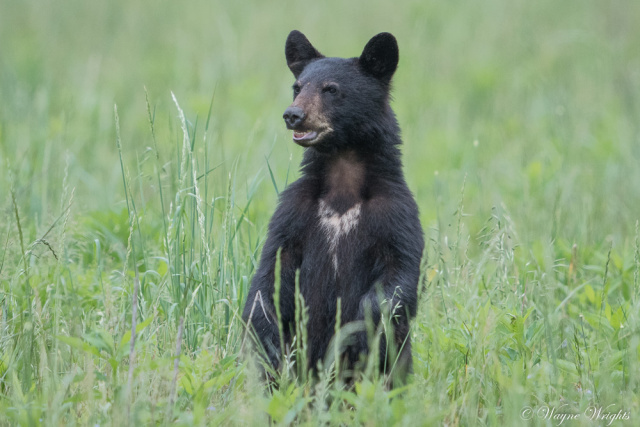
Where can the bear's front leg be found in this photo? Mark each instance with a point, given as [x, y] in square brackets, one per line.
[259, 313]
[394, 298]
[397, 306]
[259, 316]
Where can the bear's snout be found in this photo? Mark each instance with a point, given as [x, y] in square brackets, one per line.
[293, 117]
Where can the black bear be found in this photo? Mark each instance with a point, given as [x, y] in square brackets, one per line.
[349, 225]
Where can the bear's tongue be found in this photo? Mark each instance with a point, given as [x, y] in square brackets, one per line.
[301, 136]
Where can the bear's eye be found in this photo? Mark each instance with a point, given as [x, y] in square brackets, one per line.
[330, 89]
[296, 89]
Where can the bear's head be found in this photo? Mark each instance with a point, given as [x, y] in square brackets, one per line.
[338, 102]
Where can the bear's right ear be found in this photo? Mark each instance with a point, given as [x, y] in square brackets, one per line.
[299, 52]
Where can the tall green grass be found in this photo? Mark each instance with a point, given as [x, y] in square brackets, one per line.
[130, 234]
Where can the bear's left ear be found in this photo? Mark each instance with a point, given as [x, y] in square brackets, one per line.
[380, 56]
[299, 52]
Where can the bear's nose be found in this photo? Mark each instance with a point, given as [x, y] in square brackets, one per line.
[293, 117]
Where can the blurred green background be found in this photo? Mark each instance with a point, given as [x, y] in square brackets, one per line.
[537, 103]
[521, 129]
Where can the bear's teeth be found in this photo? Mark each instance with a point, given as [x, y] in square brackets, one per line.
[304, 135]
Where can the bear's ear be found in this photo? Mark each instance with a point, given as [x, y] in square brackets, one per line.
[299, 52]
[380, 56]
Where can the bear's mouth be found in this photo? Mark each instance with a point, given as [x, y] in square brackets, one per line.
[304, 135]
[308, 138]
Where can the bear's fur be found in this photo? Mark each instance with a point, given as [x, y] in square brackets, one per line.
[349, 224]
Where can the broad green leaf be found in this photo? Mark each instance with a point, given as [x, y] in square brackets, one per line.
[126, 338]
[80, 345]
[591, 295]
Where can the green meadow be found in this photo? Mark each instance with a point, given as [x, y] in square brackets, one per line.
[142, 150]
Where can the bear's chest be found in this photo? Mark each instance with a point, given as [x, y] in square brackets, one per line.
[340, 208]
[337, 227]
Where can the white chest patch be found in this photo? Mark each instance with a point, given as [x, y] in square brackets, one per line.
[336, 226]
